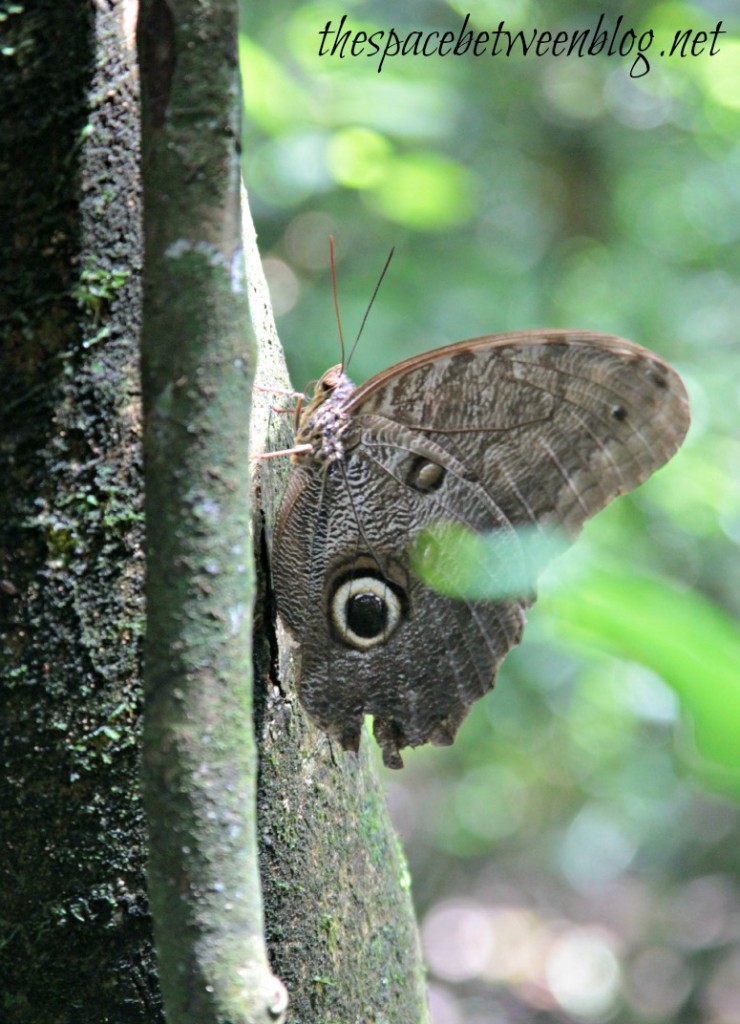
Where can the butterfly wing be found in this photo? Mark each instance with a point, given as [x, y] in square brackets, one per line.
[530, 429]
[558, 422]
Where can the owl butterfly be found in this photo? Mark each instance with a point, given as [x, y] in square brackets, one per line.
[532, 429]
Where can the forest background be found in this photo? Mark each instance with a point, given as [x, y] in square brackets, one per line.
[575, 855]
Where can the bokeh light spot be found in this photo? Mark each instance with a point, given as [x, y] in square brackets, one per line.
[583, 973]
[358, 157]
[283, 284]
[426, 191]
[457, 940]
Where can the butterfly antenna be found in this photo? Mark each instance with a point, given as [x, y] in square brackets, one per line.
[370, 303]
[334, 293]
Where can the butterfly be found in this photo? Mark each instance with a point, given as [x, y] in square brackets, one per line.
[532, 430]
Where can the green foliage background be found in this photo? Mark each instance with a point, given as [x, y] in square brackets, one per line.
[575, 855]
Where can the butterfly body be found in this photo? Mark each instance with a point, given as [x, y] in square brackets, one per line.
[325, 419]
[533, 429]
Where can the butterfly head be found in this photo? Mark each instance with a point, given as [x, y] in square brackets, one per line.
[322, 422]
[327, 384]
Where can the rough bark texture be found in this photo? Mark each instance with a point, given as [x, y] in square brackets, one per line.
[76, 933]
[76, 943]
[200, 761]
[340, 924]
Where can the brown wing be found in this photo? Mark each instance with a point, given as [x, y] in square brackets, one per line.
[560, 422]
[537, 428]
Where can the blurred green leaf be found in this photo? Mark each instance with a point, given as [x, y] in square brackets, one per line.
[722, 74]
[456, 561]
[426, 191]
[685, 639]
[358, 157]
[271, 96]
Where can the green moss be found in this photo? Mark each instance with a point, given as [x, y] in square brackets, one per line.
[97, 287]
[330, 927]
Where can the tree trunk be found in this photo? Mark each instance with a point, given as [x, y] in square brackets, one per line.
[77, 943]
[338, 921]
[340, 924]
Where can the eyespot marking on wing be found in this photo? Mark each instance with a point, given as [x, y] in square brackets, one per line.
[365, 608]
[424, 475]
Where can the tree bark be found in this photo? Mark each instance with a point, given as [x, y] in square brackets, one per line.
[77, 937]
[199, 757]
[77, 944]
[340, 923]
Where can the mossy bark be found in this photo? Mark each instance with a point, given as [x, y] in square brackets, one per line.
[77, 937]
[76, 943]
[198, 360]
[340, 922]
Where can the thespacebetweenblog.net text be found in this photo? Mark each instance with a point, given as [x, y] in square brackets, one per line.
[605, 37]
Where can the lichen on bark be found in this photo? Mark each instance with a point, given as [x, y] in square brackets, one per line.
[76, 941]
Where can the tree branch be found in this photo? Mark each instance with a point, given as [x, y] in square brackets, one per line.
[199, 751]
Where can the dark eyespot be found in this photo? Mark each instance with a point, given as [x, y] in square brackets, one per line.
[619, 413]
[366, 615]
[365, 608]
[424, 475]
